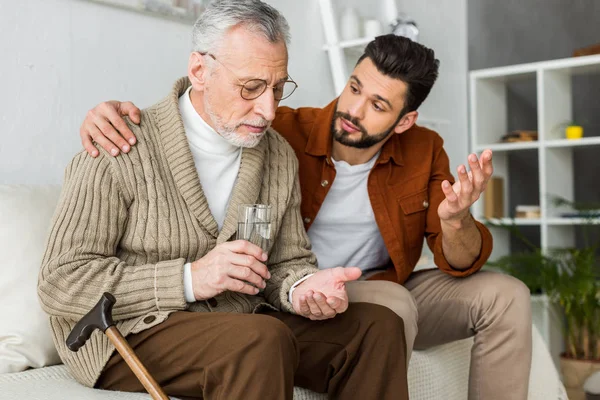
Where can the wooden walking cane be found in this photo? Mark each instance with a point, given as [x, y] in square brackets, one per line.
[100, 317]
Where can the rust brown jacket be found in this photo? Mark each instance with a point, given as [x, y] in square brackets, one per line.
[404, 187]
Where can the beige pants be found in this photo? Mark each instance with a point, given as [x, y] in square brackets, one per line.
[437, 309]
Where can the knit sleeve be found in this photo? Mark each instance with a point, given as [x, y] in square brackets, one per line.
[81, 260]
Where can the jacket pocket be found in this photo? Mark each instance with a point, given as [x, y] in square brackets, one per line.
[414, 208]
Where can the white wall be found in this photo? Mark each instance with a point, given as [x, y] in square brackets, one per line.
[61, 57]
[443, 27]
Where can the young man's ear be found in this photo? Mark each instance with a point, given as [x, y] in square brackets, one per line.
[197, 70]
[406, 122]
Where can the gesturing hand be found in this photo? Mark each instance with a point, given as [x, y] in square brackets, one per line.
[461, 196]
[234, 266]
[323, 295]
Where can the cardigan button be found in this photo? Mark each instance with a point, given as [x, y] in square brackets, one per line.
[149, 319]
[425, 203]
[324, 182]
[307, 220]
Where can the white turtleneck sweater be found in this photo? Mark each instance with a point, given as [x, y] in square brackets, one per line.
[217, 162]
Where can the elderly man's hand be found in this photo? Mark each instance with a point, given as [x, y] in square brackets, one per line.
[323, 295]
[104, 124]
[235, 266]
[467, 189]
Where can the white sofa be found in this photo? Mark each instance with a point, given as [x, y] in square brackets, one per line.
[30, 367]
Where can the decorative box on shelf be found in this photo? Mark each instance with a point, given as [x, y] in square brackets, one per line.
[526, 211]
[520, 136]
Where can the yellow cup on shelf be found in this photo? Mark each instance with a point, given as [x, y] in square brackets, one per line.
[574, 132]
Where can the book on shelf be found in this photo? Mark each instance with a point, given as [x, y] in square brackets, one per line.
[493, 198]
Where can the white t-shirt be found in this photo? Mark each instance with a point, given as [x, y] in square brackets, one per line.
[345, 232]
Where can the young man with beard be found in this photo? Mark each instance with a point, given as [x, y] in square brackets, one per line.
[374, 185]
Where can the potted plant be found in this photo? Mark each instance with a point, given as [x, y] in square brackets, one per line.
[570, 277]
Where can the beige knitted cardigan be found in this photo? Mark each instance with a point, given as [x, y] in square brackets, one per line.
[127, 225]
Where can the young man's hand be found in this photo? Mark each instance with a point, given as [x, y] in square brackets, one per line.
[467, 189]
[104, 125]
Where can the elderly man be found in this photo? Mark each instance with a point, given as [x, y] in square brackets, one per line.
[154, 227]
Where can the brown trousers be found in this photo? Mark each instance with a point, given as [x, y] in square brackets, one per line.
[437, 308]
[360, 354]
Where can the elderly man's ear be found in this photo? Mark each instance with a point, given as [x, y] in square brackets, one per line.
[197, 70]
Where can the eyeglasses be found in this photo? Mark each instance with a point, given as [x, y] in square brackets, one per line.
[254, 88]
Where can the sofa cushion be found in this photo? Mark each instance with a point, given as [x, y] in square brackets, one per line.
[54, 383]
[25, 215]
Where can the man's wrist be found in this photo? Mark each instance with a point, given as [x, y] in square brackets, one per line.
[457, 223]
[295, 285]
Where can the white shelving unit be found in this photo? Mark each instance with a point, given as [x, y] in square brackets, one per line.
[488, 123]
[488, 118]
[338, 51]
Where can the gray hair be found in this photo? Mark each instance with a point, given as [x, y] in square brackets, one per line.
[222, 15]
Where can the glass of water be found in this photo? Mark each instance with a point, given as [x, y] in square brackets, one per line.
[254, 224]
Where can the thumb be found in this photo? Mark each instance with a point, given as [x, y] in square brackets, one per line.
[349, 273]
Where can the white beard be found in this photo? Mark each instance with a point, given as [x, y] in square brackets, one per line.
[229, 132]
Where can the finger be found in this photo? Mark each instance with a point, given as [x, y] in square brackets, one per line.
[476, 174]
[129, 109]
[245, 260]
[321, 301]
[111, 133]
[312, 304]
[466, 187]
[338, 304]
[246, 274]
[486, 163]
[116, 119]
[103, 141]
[235, 285]
[304, 309]
[245, 247]
[451, 196]
[346, 274]
[88, 145]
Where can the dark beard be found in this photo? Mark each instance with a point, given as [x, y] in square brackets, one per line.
[365, 141]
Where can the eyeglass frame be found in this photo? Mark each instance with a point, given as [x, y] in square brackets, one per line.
[243, 85]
